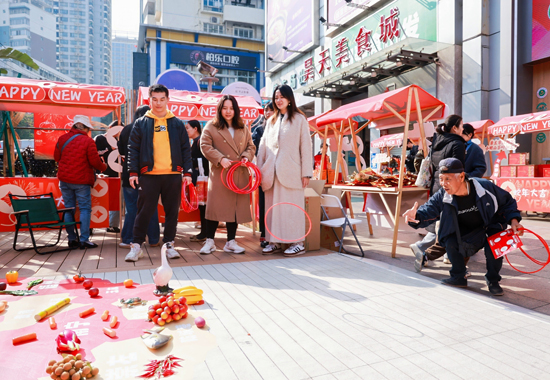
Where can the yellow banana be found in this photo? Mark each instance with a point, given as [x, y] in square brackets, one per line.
[191, 300]
[182, 289]
[189, 292]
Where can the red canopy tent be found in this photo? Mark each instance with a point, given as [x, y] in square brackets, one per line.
[528, 123]
[201, 106]
[387, 110]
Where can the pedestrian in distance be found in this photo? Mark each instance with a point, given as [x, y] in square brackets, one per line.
[257, 137]
[224, 141]
[194, 131]
[447, 143]
[469, 210]
[286, 162]
[131, 195]
[474, 164]
[159, 159]
[77, 158]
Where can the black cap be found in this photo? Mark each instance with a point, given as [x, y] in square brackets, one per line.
[450, 165]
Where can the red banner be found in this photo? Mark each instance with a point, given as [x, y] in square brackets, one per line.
[92, 96]
[531, 194]
[33, 186]
[27, 93]
[46, 138]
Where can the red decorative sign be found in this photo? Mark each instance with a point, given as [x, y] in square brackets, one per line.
[389, 26]
[504, 242]
[531, 194]
[184, 111]
[324, 61]
[342, 51]
[21, 92]
[33, 186]
[539, 121]
[46, 137]
[309, 69]
[363, 41]
[72, 95]
[496, 168]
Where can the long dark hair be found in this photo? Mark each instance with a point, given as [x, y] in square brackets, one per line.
[220, 122]
[450, 122]
[140, 111]
[288, 94]
[468, 129]
[195, 124]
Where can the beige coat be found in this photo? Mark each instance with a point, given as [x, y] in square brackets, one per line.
[285, 149]
[223, 204]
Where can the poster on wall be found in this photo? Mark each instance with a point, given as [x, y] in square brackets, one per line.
[540, 44]
[289, 23]
[51, 128]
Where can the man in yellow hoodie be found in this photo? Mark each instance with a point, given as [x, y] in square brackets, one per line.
[159, 154]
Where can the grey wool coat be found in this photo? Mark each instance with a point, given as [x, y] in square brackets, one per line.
[223, 204]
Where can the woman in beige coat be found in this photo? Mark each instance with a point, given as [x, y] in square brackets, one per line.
[224, 140]
[286, 160]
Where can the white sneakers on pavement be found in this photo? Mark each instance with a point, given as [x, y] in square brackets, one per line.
[208, 247]
[232, 247]
[295, 249]
[124, 245]
[135, 252]
[171, 253]
[270, 249]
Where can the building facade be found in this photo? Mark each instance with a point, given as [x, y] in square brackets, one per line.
[84, 34]
[471, 54]
[227, 34]
[123, 48]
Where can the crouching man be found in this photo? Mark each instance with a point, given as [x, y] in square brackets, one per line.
[469, 210]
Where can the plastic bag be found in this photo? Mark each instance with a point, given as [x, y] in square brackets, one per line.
[202, 185]
[424, 173]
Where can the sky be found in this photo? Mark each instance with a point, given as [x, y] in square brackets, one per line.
[125, 17]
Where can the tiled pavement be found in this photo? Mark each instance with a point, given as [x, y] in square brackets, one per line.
[338, 317]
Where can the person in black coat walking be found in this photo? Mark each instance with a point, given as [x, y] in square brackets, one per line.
[194, 131]
[475, 165]
[256, 138]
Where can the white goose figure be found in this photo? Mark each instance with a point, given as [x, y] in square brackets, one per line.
[162, 275]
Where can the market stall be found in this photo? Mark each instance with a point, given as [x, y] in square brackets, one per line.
[384, 111]
[525, 176]
[55, 99]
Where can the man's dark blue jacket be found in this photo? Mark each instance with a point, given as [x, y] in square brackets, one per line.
[497, 208]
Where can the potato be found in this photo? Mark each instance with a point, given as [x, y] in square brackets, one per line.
[72, 362]
[49, 370]
[58, 371]
[78, 356]
[66, 359]
[67, 367]
[72, 371]
[76, 376]
[86, 370]
[53, 376]
[52, 362]
[65, 376]
[79, 364]
[95, 371]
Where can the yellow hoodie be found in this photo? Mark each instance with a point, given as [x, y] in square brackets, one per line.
[161, 145]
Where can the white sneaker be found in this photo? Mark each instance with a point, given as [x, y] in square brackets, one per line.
[446, 259]
[171, 253]
[295, 250]
[135, 252]
[232, 247]
[124, 245]
[208, 247]
[270, 249]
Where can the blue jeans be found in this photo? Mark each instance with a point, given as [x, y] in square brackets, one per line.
[81, 194]
[127, 234]
[114, 218]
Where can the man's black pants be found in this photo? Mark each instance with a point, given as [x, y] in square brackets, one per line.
[168, 187]
[458, 266]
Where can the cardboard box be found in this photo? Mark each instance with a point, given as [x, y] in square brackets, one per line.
[313, 209]
[526, 171]
[508, 171]
[542, 170]
[518, 159]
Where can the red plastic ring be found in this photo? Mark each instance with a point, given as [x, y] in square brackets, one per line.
[254, 179]
[193, 203]
[278, 238]
[543, 265]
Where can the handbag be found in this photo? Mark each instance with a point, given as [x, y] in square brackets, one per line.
[424, 177]
[202, 184]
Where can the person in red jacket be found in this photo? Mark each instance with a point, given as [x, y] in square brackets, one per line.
[77, 157]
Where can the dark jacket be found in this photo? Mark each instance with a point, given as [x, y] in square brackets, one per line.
[78, 160]
[475, 165]
[445, 145]
[123, 151]
[196, 153]
[104, 149]
[140, 146]
[409, 162]
[257, 136]
[497, 208]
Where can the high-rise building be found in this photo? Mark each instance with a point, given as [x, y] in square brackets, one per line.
[123, 47]
[227, 34]
[84, 39]
[30, 27]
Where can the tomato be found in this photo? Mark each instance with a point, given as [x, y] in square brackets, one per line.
[87, 284]
[128, 283]
[162, 299]
[12, 276]
[3, 286]
[93, 292]
[151, 313]
[78, 278]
